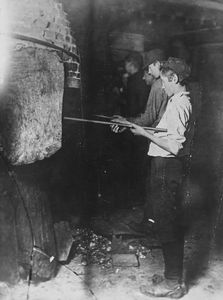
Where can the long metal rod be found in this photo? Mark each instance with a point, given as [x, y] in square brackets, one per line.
[104, 117]
[113, 123]
[43, 43]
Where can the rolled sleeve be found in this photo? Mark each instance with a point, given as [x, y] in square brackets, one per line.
[177, 123]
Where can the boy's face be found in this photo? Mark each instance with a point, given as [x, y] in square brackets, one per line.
[149, 79]
[129, 67]
[154, 69]
[167, 85]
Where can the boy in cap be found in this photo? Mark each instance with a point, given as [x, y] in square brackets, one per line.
[168, 151]
[157, 98]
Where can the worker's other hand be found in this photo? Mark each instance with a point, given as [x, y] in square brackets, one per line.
[137, 130]
[117, 128]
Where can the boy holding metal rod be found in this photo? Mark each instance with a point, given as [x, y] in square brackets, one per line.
[168, 153]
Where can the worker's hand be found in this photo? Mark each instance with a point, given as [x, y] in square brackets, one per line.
[137, 130]
[117, 129]
[119, 119]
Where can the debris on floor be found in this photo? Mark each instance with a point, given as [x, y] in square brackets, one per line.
[119, 225]
[91, 248]
[85, 271]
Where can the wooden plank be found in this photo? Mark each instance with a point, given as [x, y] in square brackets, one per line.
[201, 3]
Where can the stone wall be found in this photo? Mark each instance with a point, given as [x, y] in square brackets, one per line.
[31, 101]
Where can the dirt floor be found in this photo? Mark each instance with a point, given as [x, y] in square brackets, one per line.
[102, 273]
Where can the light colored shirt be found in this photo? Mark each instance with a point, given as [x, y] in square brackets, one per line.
[178, 122]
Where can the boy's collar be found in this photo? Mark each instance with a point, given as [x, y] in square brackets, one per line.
[179, 94]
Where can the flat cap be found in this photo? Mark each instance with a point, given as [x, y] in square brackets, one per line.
[179, 66]
[152, 56]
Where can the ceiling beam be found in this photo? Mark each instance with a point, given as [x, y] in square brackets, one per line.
[199, 30]
[209, 4]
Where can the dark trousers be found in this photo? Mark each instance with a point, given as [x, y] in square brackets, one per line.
[135, 150]
[165, 209]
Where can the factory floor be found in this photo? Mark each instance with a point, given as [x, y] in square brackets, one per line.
[96, 276]
[203, 271]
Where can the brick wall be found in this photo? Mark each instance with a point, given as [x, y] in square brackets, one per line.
[45, 20]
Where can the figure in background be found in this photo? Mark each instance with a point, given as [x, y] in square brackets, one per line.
[116, 92]
[136, 90]
[134, 150]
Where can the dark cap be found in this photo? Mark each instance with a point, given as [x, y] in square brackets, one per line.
[152, 56]
[179, 66]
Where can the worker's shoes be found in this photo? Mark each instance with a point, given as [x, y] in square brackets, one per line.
[164, 288]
